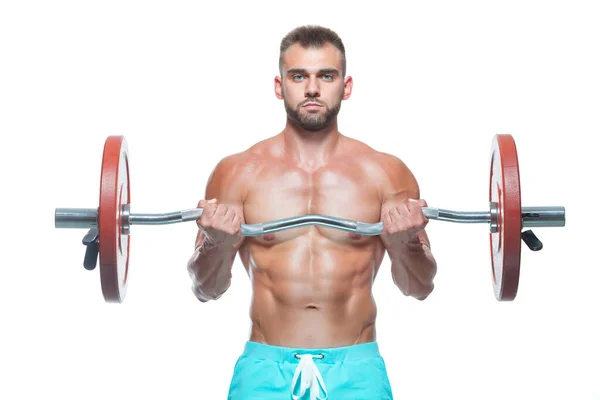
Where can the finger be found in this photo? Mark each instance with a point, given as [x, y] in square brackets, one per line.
[208, 212]
[239, 219]
[228, 221]
[396, 220]
[202, 203]
[221, 211]
[223, 218]
[414, 206]
[423, 203]
[415, 218]
[208, 207]
[395, 213]
[228, 215]
[404, 209]
[420, 220]
[386, 218]
[237, 223]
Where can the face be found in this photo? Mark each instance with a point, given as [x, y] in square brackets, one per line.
[311, 86]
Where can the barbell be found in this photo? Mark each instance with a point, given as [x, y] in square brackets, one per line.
[109, 225]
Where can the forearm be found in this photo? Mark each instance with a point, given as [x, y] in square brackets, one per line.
[210, 270]
[413, 269]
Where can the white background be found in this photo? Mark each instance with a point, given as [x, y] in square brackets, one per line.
[188, 84]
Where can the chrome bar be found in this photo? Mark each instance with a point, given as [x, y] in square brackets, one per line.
[313, 219]
[167, 218]
[469, 217]
[88, 218]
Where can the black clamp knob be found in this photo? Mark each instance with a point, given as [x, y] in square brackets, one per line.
[531, 240]
[91, 240]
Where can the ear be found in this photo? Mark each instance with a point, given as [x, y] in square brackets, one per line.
[347, 87]
[278, 87]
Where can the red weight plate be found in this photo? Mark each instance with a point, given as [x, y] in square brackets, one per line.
[505, 191]
[113, 244]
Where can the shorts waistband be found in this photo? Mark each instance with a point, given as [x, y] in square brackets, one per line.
[323, 355]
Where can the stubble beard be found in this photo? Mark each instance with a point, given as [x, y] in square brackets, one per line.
[312, 122]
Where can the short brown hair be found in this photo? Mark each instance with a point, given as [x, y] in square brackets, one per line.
[309, 36]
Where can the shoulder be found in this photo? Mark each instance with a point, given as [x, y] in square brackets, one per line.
[389, 171]
[235, 172]
[235, 164]
[231, 176]
[395, 168]
[243, 164]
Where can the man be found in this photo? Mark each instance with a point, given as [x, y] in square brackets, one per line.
[313, 314]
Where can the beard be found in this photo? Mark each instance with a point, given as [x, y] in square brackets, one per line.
[312, 121]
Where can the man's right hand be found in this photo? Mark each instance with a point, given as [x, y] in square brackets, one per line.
[221, 223]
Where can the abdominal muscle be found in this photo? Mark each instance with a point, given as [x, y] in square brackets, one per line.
[311, 291]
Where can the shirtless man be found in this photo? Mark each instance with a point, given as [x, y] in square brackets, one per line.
[313, 313]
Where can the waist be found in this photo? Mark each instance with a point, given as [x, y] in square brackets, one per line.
[323, 327]
[329, 355]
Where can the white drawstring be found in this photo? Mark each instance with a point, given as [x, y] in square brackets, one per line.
[310, 377]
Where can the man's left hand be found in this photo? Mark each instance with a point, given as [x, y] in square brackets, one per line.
[402, 222]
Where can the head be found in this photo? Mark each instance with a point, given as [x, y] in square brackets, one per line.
[312, 81]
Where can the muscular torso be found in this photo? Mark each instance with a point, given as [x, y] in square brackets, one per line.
[312, 285]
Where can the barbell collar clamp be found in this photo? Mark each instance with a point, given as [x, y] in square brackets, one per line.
[90, 241]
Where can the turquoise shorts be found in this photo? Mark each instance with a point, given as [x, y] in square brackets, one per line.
[269, 372]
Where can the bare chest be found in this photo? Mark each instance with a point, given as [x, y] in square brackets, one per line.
[284, 192]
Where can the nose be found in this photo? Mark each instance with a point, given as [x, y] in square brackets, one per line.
[312, 88]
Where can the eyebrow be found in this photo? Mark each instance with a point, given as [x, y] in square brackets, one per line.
[332, 71]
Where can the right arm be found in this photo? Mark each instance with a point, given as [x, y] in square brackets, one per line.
[218, 239]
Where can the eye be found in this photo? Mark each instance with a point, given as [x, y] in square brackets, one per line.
[328, 77]
[297, 78]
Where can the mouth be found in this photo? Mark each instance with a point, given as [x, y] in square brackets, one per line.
[312, 105]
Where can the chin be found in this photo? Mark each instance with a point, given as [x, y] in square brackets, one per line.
[314, 126]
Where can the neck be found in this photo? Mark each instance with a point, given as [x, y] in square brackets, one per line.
[311, 149]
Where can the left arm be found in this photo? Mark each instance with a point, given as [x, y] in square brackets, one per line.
[413, 267]
[406, 242]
